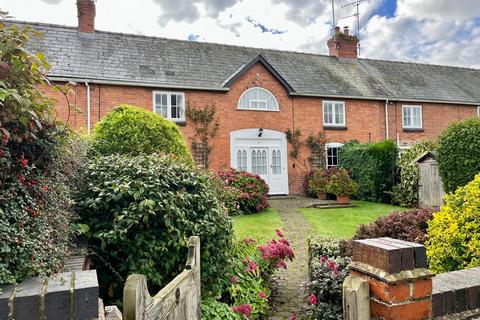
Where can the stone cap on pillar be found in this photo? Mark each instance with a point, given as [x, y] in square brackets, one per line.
[389, 255]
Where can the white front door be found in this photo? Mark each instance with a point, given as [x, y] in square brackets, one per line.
[262, 154]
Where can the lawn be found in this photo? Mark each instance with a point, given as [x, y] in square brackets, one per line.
[260, 226]
[342, 223]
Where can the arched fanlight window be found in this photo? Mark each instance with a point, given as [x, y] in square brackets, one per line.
[257, 98]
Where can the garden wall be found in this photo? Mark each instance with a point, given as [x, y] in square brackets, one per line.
[402, 288]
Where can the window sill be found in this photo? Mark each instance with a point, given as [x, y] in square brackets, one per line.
[413, 130]
[180, 123]
[334, 127]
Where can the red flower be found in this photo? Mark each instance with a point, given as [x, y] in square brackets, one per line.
[244, 309]
[262, 295]
[279, 233]
[252, 266]
[293, 317]
[45, 188]
[24, 163]
[323, 259]
[332, 265]
[313, 299]
[233, 279]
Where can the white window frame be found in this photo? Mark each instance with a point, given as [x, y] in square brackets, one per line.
[334, 124]
[258, 100]
[478, 111]
[169, 104]
[332, 145]
[412, 106]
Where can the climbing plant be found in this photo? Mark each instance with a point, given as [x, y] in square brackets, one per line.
[316, 144]
[206, 127]
[295, 140]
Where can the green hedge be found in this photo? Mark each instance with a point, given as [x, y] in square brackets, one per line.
[458, 153]
[133, 130]
[405, 193]
[372, 166]
[142, 210]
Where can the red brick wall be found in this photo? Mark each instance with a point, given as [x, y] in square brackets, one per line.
[365, 120]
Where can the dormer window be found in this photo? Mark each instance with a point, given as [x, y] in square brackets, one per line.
[257, 98]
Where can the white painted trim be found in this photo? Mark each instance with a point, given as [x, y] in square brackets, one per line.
[331, 145]
[258, 88]
[416, 106]
[344, 114]
[478, 111]
[169, 106]
[276, 138]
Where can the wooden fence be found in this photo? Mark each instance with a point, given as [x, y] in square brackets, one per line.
[180, 299]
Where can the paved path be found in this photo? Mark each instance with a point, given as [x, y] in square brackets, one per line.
[288, 293]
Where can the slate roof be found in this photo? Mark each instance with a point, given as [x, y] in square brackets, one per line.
[162, 62]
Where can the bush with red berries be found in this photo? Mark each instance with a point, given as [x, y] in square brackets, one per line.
[252, 190]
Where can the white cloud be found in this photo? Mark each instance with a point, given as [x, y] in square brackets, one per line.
[459, 10]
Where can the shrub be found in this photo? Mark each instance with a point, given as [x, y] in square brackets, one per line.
[408, 225]
[216, 310]
[327, 264]
[326, 287]
[319, 181]
[340, 184]
[133, 130]
[253, 189]
[142, 210]
[252, 265]
[458, 153]
[454, 232]
[36, 165]
[405, 193]
[372, 166]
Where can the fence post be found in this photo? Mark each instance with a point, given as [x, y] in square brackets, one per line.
[396, 271]
[356, 299]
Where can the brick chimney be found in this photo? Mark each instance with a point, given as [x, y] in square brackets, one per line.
[86, 15]
[343, 45]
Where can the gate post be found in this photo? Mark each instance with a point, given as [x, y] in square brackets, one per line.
[396, 271]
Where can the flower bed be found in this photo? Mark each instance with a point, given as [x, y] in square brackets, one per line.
[328, 269]
[247, 289]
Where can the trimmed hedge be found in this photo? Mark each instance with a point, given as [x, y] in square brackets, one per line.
[405, 193]
[372, 166]
[132, 130]
[458, 153]
[142, 210]
[454, 232]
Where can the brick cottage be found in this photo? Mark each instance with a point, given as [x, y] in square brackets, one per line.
[259, 94]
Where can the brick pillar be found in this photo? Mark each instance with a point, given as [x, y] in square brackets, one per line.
[400, 285]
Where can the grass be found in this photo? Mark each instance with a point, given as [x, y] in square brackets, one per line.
[260, 226]
[343, 222]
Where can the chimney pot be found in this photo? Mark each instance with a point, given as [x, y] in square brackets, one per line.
[86, 15]
[346, 31]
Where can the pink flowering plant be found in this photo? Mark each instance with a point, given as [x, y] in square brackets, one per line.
[328, 270]
[252, 266]
[253, 190]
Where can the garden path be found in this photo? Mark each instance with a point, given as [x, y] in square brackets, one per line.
[288, 293]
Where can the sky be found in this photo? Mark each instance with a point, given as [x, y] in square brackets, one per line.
[429, 31]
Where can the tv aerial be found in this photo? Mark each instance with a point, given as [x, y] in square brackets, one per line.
[355, 3]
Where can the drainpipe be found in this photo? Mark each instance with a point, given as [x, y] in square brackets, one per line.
[386, 120]
[88, 108]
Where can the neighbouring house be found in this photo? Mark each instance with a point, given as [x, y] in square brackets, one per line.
[258, 93]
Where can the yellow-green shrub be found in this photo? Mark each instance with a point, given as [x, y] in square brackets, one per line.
[454, 232]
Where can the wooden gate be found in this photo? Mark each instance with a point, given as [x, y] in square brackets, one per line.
[180, 299]
[430, 187]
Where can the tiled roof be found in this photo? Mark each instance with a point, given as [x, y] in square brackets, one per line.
[165, 62]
